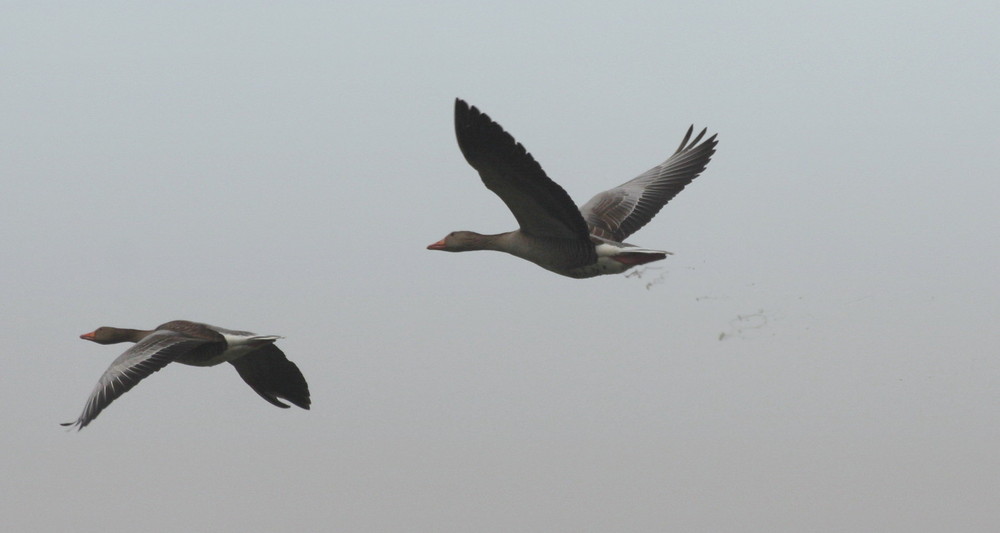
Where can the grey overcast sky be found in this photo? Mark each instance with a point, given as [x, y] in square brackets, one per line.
[820, 354]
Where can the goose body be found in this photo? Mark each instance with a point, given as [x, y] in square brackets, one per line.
[555, 234]
[260, 363]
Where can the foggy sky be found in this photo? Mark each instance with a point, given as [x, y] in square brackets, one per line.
[819, 354]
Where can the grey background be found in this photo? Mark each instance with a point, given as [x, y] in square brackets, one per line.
[819, 355]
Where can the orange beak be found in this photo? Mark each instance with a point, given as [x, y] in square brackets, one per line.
[437, 246]
[88, 336]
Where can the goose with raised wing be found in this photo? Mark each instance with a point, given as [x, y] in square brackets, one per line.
[553, 233]
[257, 360]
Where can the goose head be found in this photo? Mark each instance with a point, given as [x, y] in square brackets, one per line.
[461, 241]
[109, 335]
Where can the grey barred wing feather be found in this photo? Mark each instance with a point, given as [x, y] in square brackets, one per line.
[271, 375]
[617, 213]
[541, 207]
[138, 362]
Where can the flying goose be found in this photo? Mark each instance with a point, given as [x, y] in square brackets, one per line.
[257, 360]
[553, 233]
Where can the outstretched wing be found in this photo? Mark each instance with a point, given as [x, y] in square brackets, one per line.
[147, 356]
[617, 213]
[271, 375]
[540, 205]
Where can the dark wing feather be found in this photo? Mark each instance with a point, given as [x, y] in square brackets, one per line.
[135, 364]
[617, 213]
[271, 375]
[540, 205]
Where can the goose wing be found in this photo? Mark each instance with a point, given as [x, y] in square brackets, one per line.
[271, 375]
[541, 207]
[135, 364]
[619, 212]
